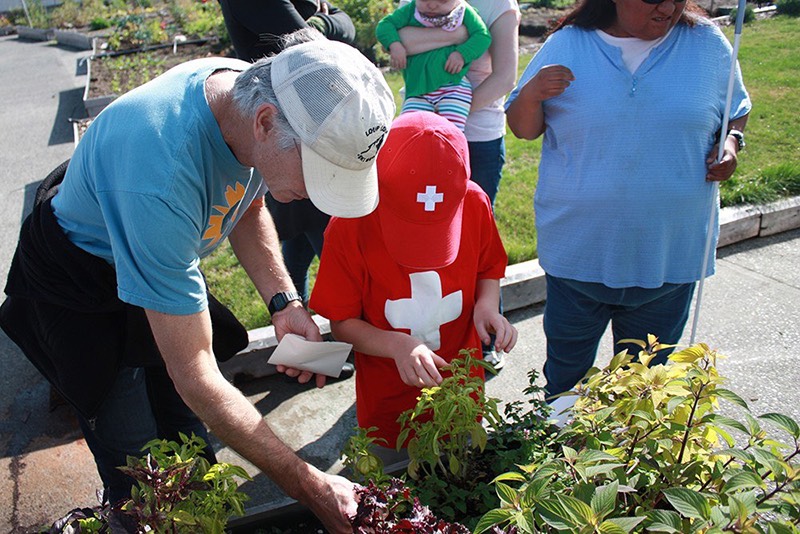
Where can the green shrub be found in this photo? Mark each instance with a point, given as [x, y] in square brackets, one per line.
[38, 16]
[749, 14]
[365, 15]
[788, 7]
[137, 30]
[199, 19]
[646, 452]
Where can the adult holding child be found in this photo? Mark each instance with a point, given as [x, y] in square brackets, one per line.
[630, 96]
[492, 77]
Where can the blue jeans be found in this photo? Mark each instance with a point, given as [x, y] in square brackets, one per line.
[298, 253]
[142, 405]
[486, 159]
[576, 315]
[486, 163]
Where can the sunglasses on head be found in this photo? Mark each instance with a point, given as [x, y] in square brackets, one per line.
[654, 2]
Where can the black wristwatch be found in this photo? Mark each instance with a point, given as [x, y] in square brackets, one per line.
[739, 136]
[281, 300]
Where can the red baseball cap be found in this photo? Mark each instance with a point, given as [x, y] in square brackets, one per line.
[423, 170]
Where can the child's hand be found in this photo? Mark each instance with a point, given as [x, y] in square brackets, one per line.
[398, 55]
[490, 321]
[455, 62]
[419, 366]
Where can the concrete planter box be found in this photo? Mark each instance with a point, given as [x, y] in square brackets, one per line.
[74, 39]
[35, 34]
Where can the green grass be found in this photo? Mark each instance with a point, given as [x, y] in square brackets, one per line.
[769, 168]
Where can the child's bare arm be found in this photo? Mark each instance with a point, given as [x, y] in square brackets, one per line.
[397, 52]
[489, 320]
[455, 62]
[417, 364]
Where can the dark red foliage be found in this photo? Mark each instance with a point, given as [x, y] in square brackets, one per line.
[392, 509]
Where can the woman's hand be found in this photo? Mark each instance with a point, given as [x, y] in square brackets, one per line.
[550, 81]
[719, 171]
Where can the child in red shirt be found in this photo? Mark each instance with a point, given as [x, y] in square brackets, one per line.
[419, 278]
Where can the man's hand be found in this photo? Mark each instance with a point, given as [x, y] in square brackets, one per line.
[332, 499]
[397, 52]
[295, 319]
[454, 63]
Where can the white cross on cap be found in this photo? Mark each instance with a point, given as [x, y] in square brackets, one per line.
[430, 198]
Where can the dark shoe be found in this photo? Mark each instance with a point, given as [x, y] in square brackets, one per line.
[348, 369]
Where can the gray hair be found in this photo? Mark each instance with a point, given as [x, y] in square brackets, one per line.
[253, 88]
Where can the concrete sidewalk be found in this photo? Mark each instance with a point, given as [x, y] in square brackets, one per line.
[750, 313]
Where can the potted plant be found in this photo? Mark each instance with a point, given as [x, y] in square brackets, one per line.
[177, 491]
[646, 451]
[457, 443]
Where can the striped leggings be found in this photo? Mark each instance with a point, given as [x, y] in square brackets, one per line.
[452, 101]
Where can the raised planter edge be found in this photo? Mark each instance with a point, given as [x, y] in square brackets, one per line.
[35, 34]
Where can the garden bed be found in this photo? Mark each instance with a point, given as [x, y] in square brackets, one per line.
[112, 74]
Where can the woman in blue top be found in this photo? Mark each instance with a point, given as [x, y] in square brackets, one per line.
[629, 95]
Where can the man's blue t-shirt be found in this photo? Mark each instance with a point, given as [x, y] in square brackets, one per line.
[622, 197]
[153, 187]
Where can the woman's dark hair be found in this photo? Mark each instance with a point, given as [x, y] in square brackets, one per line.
[600, 14]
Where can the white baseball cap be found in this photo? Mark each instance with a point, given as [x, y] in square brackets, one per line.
[339, 104]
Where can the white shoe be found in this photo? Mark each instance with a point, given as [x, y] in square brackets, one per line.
[495, 359]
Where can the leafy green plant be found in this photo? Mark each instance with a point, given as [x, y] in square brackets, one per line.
[199, 18]
[749, 14]
[132, 70]
[177, 490]
[790, 8]
[37, 15]
[446, 424]
[136, 30]
[359, 458]
[452, 456]
[646, 452]
[365, 15]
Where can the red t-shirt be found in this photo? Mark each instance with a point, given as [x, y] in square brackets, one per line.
[358, 279]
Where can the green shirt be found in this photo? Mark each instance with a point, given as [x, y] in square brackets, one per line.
[425, 72]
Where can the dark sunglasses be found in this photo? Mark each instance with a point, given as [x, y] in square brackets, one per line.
[654, 2]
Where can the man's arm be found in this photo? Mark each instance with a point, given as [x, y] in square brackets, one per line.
[185, 345]
[255, 243]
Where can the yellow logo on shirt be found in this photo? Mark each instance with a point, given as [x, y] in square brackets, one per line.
[220, 224]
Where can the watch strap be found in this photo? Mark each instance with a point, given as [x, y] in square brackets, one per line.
[739, 136]
[280, 300]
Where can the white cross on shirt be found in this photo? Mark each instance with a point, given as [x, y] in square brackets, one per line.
[430, 197]
[426, 310]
